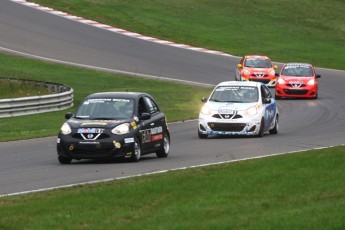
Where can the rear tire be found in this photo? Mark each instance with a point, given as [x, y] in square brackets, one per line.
[164, 151]
[64, 160]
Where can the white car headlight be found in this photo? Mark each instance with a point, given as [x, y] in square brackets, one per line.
[121, 129]
[252, 111]
[205, 110]
[272, 72]
[281, 81]
[65, 129]
[311, 82]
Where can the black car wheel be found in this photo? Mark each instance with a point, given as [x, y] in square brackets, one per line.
[276, 127]
[262, 126]
[201, 135]
[164, 151]
[136, 151]
[64, 160]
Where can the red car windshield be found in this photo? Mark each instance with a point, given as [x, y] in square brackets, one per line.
[298, 71]
[257, 63]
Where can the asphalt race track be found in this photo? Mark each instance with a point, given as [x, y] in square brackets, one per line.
[32, 164]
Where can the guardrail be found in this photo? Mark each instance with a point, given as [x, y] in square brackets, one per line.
[61, 98]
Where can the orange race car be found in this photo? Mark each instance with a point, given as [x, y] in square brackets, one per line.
[297, 80]
[256, 68]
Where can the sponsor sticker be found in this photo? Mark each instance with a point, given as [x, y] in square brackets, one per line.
[157, 137]
[90, 130]
[89, 143]
[147, 134]
[94, 123]
[129, 140]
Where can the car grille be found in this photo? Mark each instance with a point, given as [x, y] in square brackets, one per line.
[261, 80]
[259, 75]
[296, 85]
[296, 91]
[223, 116]
[79, 136]
[93, 151]
[226, 127]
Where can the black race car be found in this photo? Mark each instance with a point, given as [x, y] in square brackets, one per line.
[114, 125]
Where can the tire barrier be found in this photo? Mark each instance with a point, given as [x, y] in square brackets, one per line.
[60, 99]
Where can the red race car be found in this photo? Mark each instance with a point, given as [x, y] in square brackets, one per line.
[297, 80]
[256, 68]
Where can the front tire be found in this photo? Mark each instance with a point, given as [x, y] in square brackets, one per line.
[262, 126]
[64, 160]
[136, 151]
[201, 135]
[164, 151]
[276, 126]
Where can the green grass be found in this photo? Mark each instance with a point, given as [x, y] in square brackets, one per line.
[178, 101]
[286, 30]
[14, 89]
[294, 191]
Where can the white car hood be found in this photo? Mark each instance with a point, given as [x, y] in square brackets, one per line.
[215, 106]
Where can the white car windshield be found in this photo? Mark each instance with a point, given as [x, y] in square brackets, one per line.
[240, 94]
[105, 109]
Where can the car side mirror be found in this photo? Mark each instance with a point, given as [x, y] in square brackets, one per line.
[318, 76]
[203, 99]
[68, 115]
[267, 100]
[145, 116]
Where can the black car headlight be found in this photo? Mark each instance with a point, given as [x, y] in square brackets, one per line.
[121, 129]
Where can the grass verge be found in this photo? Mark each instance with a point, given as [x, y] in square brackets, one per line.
[15, 89]
[294, 191]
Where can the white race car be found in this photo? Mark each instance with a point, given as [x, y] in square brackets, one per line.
[238, 108]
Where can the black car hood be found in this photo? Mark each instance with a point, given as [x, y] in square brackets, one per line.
[83, 123]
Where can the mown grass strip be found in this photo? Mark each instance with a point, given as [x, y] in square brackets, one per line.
[294, 191]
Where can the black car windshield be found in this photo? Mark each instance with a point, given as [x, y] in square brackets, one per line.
[105, 109]
[240, 94]
[298, 70]
[258, 63]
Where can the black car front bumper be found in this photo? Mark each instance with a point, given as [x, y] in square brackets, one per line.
[111, 147]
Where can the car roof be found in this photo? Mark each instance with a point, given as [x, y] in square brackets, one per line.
[256, 56]
[240, 83]
[297, 63]
[130, 95]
